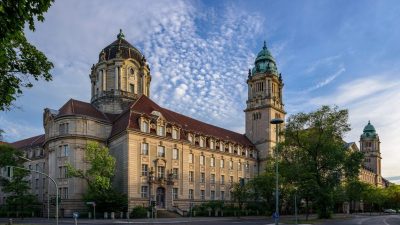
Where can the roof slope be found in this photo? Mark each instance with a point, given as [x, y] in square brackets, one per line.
[144, 105]
[29, 142]
[75, 107]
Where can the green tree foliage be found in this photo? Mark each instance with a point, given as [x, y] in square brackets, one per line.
[98, 177]
[19, 200]
[314, 157]
[240, 194]
[20, 61]
[393, 196]
[354, 190]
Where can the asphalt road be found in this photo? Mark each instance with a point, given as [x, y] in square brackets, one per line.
[354, 220]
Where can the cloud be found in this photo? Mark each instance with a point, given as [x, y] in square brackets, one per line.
[328, 80]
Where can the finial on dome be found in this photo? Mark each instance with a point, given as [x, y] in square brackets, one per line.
[120, 35]
[369, 122]
[265, 45]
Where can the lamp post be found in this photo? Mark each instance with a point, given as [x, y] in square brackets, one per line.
[276, 121]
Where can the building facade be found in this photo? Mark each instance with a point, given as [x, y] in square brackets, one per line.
[161, 155]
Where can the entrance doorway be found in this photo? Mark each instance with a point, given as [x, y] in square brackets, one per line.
[160, 198]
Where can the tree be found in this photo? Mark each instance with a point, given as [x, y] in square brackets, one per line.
[354, 190]
[20, 60]
[393, 196]
[314, 143]
[240, 194]
[19, 199]
[98, 177]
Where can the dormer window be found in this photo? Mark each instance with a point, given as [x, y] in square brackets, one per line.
[190, 138]
[145, 126]
[174, 134]
[201, 142]
[230, 148]
[211, 144]
[161, 130]
[221, 146]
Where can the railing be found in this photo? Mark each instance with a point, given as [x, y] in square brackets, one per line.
[113, 93]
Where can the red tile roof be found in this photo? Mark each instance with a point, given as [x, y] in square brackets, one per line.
[29, 142]
[75, 107]
[145, 106]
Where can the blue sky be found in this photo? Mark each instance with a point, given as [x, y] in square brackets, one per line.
[329, 52]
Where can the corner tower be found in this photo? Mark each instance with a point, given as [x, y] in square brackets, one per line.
[370, 146]
[120, 76]
[264, 103]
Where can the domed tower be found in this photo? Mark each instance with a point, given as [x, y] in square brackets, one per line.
[264, 102]
[120, 76]
[370, 146]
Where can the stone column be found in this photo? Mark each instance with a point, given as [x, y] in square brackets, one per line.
[104, 80]
[120, 78]
[116, 78]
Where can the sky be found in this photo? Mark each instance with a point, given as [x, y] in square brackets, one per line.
[343, 53]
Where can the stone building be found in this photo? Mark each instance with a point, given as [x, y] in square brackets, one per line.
[161, 155]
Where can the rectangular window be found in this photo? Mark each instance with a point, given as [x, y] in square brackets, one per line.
[174, 134]
[222, 163]
[239, 168]
[191, 158]
[145, 149]
[63, 128]
[175, 153]
[161, 131]
[66, 150]
[144, 191]
[175, 193]
[37, 167]
[145, 170]
[191, 196]
[175, 173]
[132, 88]
[202, 177]
[145, 127]
[211, 144]
[202, 160]
[36, 183]
[62, 172]
[222, 179]
[231, 165]
[161, 172]
[65, 193]
[44, 182]
[231, 179]
[212, 162]
[201, 142]
[191, 176]
[222, 195]
[212, 195]
[190, 138]
[161, 151]
[202, 195]
[212, 178]
[221, 146]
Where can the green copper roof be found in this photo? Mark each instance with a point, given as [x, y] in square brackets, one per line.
[265, 62]
[369, 130]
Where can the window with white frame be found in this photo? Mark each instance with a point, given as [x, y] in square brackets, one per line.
[221, 146]
[202, 177]
[175, 153]
[144, 191]
[191, 157]
[231, 165]
[201, 142]
[202, 195]
[239, 166]
[190, 138]
[191, 176]
[175, 193]
[212, 144]
[191, 194]
[145, 126]
[222, 163]
[212, 178]
[230, 148]
[160, 172]
[63, 151]
[212, 195]
[161, 151]
[161, 130]
[222, 179]
[145, 149]
[145, 170]
[212, 162]
[202, 160]
[174, 134]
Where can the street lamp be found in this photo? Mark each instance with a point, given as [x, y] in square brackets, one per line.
[276, 121]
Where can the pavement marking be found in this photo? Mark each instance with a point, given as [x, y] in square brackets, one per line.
[384, 220]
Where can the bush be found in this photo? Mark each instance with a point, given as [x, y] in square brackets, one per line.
[139, 212]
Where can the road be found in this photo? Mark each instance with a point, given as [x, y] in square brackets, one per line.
[354, 220]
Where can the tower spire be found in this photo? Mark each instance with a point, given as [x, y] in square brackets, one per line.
[265, 45]
[120, 35]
